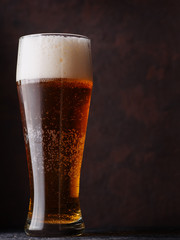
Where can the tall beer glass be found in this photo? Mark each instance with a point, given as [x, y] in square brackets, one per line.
[54, 82]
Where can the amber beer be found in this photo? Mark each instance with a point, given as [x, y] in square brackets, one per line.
[54, 114]
[58, 124]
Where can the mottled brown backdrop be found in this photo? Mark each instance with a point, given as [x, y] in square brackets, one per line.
[131, 167]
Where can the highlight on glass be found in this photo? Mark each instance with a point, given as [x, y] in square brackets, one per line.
[54, 83]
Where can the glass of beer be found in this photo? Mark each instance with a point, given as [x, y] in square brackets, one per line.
[54, 83]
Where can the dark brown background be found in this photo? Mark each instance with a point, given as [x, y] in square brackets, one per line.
[131, 166]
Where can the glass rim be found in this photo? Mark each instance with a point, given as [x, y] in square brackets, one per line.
[54, 34]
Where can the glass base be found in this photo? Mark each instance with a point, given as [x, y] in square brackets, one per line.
[53, 230]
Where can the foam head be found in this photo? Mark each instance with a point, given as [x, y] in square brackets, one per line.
[54, 56]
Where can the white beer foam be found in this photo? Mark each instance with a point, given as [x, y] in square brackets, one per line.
[53, 56]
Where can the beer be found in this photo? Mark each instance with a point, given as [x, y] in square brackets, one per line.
[54, 111]
[58, 125]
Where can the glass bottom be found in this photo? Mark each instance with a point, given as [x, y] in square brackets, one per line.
[53, 230]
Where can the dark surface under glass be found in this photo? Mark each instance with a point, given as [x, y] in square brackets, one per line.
[89, 234]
